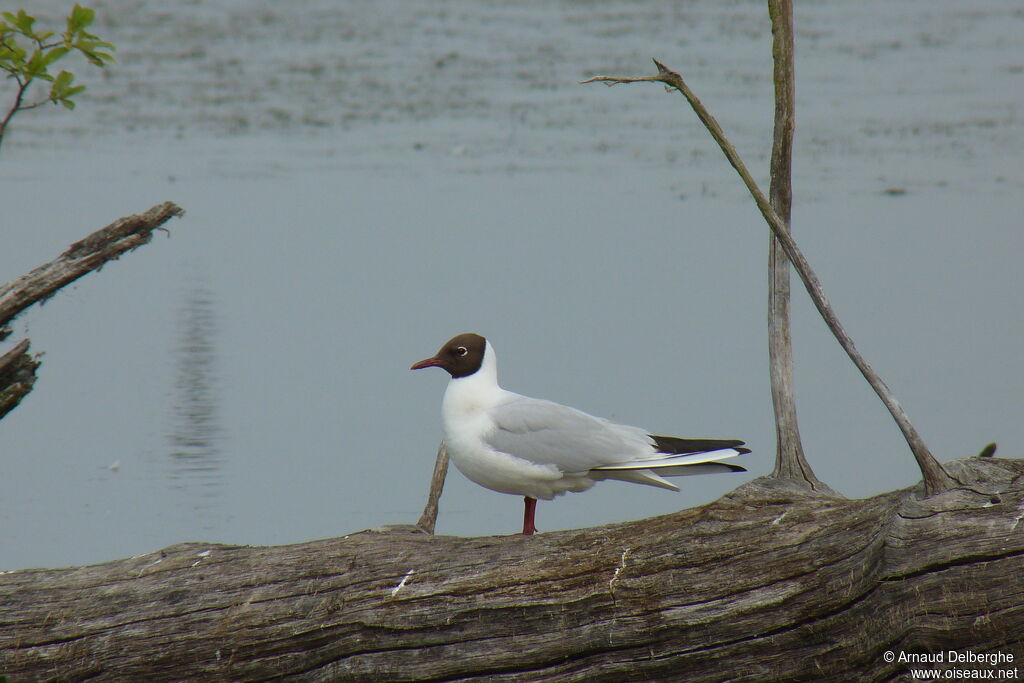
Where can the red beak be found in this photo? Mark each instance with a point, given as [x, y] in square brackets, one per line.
[434, 362]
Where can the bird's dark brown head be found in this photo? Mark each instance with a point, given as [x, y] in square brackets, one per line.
[461, 355]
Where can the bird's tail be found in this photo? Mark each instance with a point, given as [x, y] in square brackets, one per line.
[653, 470]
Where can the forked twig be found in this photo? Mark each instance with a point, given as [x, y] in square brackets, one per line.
[936, 479]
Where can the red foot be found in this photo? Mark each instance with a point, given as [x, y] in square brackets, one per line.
[531, 506]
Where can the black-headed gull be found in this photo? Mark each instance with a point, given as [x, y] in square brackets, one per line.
[540, 449]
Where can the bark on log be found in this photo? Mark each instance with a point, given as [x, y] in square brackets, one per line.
[771, 582]
[17, 375]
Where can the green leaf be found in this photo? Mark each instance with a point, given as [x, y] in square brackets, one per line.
[11, 18]
[80, 18]
[6, 48]
[54, 54]
[63, 81]
[61, 87]
[89, 48]
[35, 65]
[13, 53]
[22, 22]
[62, 92]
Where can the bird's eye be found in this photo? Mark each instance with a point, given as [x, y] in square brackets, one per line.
[461, 351]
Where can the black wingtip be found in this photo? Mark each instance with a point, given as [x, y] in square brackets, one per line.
[733, 468]
[676, 446]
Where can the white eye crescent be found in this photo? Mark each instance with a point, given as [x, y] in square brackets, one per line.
[461, 351]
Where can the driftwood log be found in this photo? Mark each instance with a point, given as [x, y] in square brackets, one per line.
[770, 583]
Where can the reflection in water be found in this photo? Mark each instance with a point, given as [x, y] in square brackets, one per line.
[195, 430]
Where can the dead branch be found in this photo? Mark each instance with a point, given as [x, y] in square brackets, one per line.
[789, 452]
[771, 582]
[17, 368]
[428, 520]
[17, 375]
[936, 478]
[83, 257]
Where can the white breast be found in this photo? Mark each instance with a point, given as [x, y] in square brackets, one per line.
[466, 420]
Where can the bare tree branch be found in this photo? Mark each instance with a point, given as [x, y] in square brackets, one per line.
[789, 452]
[936, 478]
[428, 520]
[17, 368]
[83, 257]
[15, 107]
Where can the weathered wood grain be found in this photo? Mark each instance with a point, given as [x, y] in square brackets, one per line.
[789, 452]
[17, 375]
[768, 583]
[428, 520]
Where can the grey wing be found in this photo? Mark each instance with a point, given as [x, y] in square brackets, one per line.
[546, 433]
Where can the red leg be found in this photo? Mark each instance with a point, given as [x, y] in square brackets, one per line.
[531, 506]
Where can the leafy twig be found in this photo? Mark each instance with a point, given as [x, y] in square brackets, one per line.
[25, 65]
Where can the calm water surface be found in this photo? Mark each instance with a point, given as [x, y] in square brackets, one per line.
[364, 179]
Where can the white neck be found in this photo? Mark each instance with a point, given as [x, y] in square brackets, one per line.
[478, 390]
